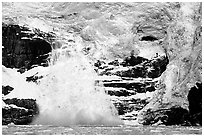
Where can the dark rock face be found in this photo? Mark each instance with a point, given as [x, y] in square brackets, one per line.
[137, 67]
[195, 104]
[127, 106]
[22, 114]
[148, 38]
[131, 85]
[22, 47]
[132, 60]
[6, 89]
[129, 89]
[172, 116]
[195, 99]
[177, 115]
[16, 116]
[18, 111]
[33, 78]
[26, 103]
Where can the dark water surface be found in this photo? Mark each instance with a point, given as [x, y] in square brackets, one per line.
[99, 130]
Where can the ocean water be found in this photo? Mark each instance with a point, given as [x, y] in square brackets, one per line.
[99, 130]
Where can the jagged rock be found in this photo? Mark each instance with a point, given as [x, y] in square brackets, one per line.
[6, 89]
[128, 104]
[114, 63]
[119, 92]
[135, 72]
[172, 116]
[21, 47]
[17, 116]
[33, 78]
[26, 103]
[126, 85]
[99, 64]
[135, 86]
[19, 111]
[157, 66]
[128, 94]
[146, 68]
[132, 61]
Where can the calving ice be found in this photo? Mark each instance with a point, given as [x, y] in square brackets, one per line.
[68, 95]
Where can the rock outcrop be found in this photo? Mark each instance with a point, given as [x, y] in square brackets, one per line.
[129, 92]
[6, 89]
[23, 47]
[15, 109]
[18, 111]
[195, 104]
[145, 68]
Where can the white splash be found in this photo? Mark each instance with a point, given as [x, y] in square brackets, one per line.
[68, 94]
